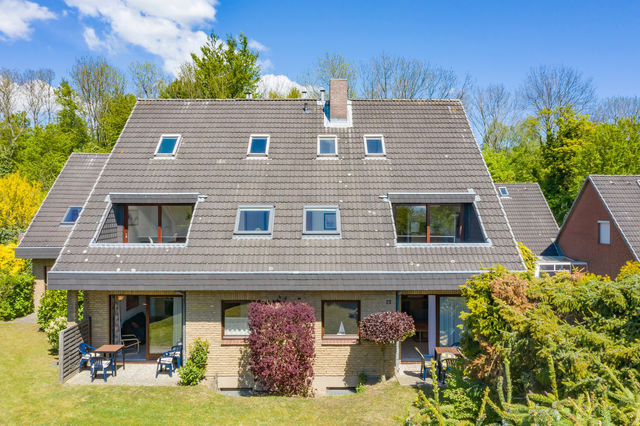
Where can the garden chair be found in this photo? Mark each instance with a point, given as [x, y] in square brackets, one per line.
[166, 360]
[177, 354]
[423, 365]
[131, 340]
[446, 361]
[100, 363]
[85, 355]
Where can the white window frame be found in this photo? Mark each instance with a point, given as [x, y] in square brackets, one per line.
[335, 141]
[175, 148]
[600, 240]
[62, 222]
[505, 193]
[268, 233]
[338, 230]
[258, 155]
[374, 155]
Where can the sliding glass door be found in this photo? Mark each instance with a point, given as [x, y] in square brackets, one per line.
[165, 324]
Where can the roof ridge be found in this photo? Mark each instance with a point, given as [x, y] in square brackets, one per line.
[294, 99]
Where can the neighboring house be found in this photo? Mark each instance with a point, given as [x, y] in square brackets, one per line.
[54, 220]
[533, 225]
[603, 226]
[352, 206]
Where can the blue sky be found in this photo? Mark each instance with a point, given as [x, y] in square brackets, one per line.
[495, 42]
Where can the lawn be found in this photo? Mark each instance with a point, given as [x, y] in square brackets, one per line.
[30, 393]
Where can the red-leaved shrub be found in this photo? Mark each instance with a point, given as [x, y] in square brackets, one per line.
[386, 328]
[281, 344]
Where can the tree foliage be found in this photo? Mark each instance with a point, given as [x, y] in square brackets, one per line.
[19, 200]
[226, 69]
[16, 295]
[281, 344]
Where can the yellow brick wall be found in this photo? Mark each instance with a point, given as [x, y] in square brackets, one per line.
[204, 320]
[39, 285]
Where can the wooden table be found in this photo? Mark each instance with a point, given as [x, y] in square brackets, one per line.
[112, 350]
[421, 328]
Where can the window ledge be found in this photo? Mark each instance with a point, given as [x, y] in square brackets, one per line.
[375, 157]
[340, 341]
[234, 341]
[485, 244]
[257, 157]
[327, 157]
[137, 245]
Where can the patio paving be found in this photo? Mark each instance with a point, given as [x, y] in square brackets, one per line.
[135, 374]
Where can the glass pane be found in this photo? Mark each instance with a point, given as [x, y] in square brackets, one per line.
[374, 146]
[165, 323]
[327, 146]
[444, 222]
[258, 146]
[143, 224]
[236, 319]
[254, 220]
[340, 318]
[321, 221]
[450, 308]
[167, 145]
[72, 214]
[411, 224]
[175, 223]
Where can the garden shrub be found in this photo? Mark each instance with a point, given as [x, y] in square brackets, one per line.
[53, 329]
[53, 304]
[16, 295]
[195, 367]
[386, 328]
[282, 346]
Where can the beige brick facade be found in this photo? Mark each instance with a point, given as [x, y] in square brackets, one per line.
[40, 268]
[335, 365]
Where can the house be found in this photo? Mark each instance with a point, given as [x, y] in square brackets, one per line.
[602, 227]
[533, 225]
[55, 218]
[353, 206]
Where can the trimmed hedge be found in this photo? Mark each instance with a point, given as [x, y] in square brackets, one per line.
[16, 295]
[282, 346]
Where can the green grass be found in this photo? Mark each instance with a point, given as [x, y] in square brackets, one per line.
[30, 393]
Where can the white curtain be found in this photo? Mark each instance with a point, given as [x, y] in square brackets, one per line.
[450, 309]
[177, 320]
[117, 332]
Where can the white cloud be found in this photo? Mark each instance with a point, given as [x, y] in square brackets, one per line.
[96, 43]
[280, 84]
[17, 15]
[165, 28]
[265, 64]
[254, 44]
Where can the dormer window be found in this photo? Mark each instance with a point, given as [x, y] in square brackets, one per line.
[321, 221]
[327, 146]
[437, 224]
[71, 215]
[258, 146]
[167, 146]
[156, 223]
[254, 221]
[374, 146]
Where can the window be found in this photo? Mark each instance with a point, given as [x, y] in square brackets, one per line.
[258, 146]
[327, 146]
[436, 223]
[340, 318]
[235, 319]
[157, 223]
[374, 146]
[604, 232]
[256, 220]
[321, 220]
[450, 308]
[503, 191]
[167, 146]
[71, 215]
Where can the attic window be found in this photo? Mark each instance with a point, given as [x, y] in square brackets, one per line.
[71, 215]
[503, 191]
[258, 146]
[254, 221]
[374, 146]
[321, 221]
[167, 146]
[327, 146]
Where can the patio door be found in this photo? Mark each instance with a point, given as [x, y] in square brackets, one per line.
[164, 325]
[417, 306]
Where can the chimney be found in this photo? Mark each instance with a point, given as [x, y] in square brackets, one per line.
[248, 95]
[322, 95]
[338, 99]
[304, 93]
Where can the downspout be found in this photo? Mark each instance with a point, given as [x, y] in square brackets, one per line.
[398, 343]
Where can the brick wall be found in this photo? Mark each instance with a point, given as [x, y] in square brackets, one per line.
[39, 285]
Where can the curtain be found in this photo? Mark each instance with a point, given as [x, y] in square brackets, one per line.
[177, 320]
[450, 309]
[116, 326]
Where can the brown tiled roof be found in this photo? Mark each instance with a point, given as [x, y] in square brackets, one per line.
[46, 236]
[530, 218]
[429, 146]
[621, 196]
